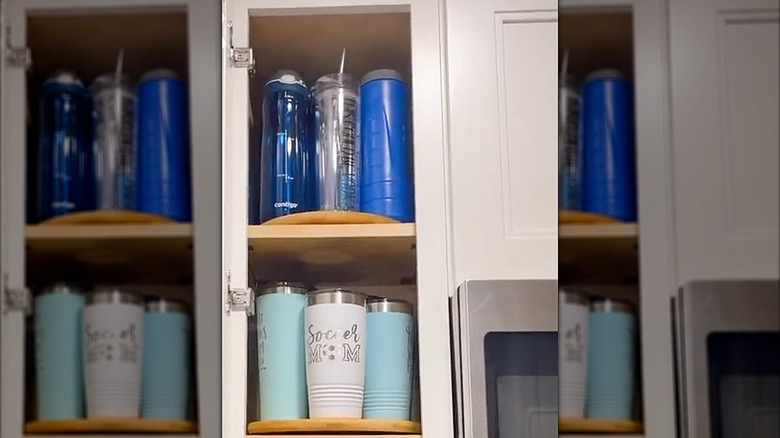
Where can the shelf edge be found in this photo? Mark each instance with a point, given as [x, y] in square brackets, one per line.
[125, 231]
[345, 231]
[598, 231]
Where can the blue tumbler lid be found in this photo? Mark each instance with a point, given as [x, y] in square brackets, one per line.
[609, 305]
[387, 305]
[604, 73]
[286, 77]
[165, 305]
[284, 287]
[62, 287]
[64, 77]
[159, 73]
[383, 73]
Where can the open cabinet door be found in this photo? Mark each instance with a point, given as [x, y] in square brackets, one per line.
[13, 139]
[234, 210]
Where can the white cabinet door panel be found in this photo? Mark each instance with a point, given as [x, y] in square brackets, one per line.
[725, 115]
[502, 66]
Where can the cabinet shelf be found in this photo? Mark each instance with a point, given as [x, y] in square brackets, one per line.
[92, 435]
[126, 254]
[593, 425]
[598, 435]
[336, 435]
[119, 425]
[358, 254]
[599, 253]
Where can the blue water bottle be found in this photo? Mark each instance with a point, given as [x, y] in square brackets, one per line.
[163, 157]
[281, 352]
[167, 356]
[253, 164]
[608, 179]
[611, 360]
[284, 155]
[66, 181]
[389, 359]
[58, 352]
[385, 179]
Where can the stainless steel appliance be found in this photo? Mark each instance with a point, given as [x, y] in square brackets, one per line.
[727, 337]
[505, 355]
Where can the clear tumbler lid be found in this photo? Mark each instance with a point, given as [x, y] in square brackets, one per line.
[108, 81]
[335, 80]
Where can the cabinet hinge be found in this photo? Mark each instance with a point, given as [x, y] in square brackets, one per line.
[239, 299]
[17, 57]
[240, 57]
[16, 299]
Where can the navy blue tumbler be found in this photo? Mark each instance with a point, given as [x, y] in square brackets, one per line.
[284, 155]
[66, 183]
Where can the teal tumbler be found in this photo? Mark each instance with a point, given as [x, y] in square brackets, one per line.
[59, 371]
[167, 360]
[611, 360]
[389, 359]
[281, 352]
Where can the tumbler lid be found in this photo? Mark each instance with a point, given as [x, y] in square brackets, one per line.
[159, 73]
[335, 80]
[110, 295]
[609, 305]
[64, 77]
[287, 77]
[573, 297]
[382, 73]
[62, 287]
[604, 73]
[165, 305]
[388, 305]
[284, 287]
[569, 80]
[108, 81]
[336, 296]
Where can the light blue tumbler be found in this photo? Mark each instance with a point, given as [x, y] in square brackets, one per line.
[611, 360]
[281, 352]
[167, 360]
[389, 359]
[58, 352]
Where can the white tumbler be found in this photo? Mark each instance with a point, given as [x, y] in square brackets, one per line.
[113, 334]
[335, 323]
[573, 314]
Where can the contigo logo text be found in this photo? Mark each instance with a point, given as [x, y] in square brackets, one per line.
[286, 204]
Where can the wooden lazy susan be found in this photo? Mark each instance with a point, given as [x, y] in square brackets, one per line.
[107, 217]
[111, 425]
[333, 425]
[567, 217]
[331, 218]
[597, 425]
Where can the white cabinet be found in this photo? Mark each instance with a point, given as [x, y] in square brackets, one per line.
[502, 70]
[725, 108]
[633, 262]
[179, 260]
[406, 261]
